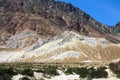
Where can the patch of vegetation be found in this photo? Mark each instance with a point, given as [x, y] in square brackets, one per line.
[51, 70]
[84, 72]
[6, 73]
[9, 71]
[69, 71]
[48, 71]
[5, 77]
[98, 73]
[28, 72]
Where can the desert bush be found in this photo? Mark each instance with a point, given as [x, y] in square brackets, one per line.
[51, 70]
[9, 71]
[48, 70]
[118, 74]
[83, 72]
[6, 73]
[28, 72]
[5, 77]
[98, 73]
[69, 71]
[24, 78]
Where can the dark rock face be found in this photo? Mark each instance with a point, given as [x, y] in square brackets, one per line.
[116, 29]
[15, 16]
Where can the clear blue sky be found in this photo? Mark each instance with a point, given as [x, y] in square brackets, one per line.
[105, 11]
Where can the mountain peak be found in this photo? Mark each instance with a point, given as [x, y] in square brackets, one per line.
[48, 18]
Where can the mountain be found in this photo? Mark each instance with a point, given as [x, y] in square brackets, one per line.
[54, 31]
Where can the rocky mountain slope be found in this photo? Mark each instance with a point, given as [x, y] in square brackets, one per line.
[66, 47]
[48, 30]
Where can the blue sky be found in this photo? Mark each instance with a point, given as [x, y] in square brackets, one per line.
[105, 11]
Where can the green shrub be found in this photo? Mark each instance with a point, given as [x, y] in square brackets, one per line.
[6, 77]
[9, 71]
[69, 71]
[83, 72]
[118, 74]
[48, 70]
[28, 72]
[51, 70]
[6, 73]
[98, 73]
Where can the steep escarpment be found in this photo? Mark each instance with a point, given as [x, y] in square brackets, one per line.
[48, 18]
